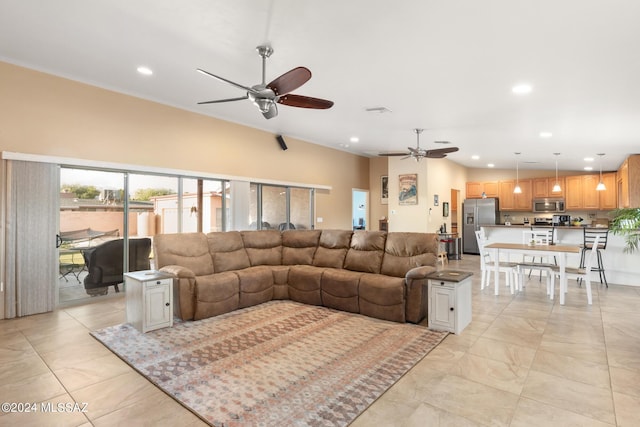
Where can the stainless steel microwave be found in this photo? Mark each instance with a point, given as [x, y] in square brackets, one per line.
[548, 205]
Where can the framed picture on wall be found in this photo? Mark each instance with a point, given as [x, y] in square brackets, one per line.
[384, 189]
[445, 208]
[408, 194]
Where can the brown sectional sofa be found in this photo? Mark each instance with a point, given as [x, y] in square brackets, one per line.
[374, 273]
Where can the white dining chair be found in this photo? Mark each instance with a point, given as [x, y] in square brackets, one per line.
[487, 266]
[580, 273]
[537, 237]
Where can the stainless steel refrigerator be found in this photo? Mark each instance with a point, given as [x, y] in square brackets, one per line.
[476, 213]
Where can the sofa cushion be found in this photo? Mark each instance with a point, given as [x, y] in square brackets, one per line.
[299, 246]
[382, 297]
[190, 250]
[216, 294]
[264, 247]
[339, 289]
[404, 251]
[227, 251]
[280, 281]
[332, 248]
[304, 284]
[365, 251]
[256, 285]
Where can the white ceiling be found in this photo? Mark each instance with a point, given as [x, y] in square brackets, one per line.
[446, 66]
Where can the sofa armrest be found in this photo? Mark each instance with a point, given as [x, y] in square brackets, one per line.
[178, 271]
[184, 291]
[417, 301]
[419, 272]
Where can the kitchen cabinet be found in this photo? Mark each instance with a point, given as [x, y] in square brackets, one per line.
[581, 193]
[590, 196]
[523, 201]
[449, 300]
[543, 187]
[149, 299]
[505, 195]
[623, 184]
[573, 192]
[475, 189]
[608, 198]
[629, 182]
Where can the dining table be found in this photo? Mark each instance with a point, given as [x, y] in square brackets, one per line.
[560, 251]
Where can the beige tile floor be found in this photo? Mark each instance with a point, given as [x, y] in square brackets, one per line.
[523, 361]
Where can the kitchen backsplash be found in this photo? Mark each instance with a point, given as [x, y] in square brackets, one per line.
[519, 217]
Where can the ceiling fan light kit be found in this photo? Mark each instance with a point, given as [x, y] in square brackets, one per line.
[267, 96]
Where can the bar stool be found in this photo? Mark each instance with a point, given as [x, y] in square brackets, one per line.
[589, 237]
[445, 240]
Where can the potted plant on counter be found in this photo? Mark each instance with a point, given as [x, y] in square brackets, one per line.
[626, 222]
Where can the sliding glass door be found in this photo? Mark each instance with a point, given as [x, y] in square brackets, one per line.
[91, 213]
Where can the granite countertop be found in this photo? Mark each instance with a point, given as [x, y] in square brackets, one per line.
[569, 227]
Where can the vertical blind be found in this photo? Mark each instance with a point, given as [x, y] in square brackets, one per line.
[31, 223]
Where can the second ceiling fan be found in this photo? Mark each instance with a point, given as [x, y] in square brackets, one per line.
[418, 153]
[266, 96]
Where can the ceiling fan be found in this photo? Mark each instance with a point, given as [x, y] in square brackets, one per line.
[266, 96]
[418, 153]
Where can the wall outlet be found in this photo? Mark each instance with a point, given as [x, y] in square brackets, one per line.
[319, 219]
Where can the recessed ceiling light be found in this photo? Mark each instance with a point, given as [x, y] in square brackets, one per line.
[475, 157]
[588, 159]
[522, 89]
[546, 134]
[354, 139]
[490, 165]
[588, 168]
[146, 71]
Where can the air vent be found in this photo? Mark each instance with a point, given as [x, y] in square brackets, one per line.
[378, 110]
[442, 142]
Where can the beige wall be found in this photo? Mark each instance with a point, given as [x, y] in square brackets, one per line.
[47, 115]
[378, 167]
[435, 176]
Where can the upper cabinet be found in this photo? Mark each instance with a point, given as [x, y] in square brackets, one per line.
[543, 187]
[628, 182]
[608, 198]
[475, 189]
[579, 191]
[523, 200]
[505, 195]
[573, 192]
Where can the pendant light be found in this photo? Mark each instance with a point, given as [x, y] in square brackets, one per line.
[517, 189]
[556, 186]
[601, 186]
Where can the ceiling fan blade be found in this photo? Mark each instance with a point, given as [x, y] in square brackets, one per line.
[290, 81]
[224, 100]
[305, 102]
[393, 154]
[273, 111]
[441, 152]
[413, 150]
[222, 79]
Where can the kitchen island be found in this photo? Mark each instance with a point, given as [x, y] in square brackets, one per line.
[621, 268]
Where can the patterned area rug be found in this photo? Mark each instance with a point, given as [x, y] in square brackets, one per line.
[281, 363]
